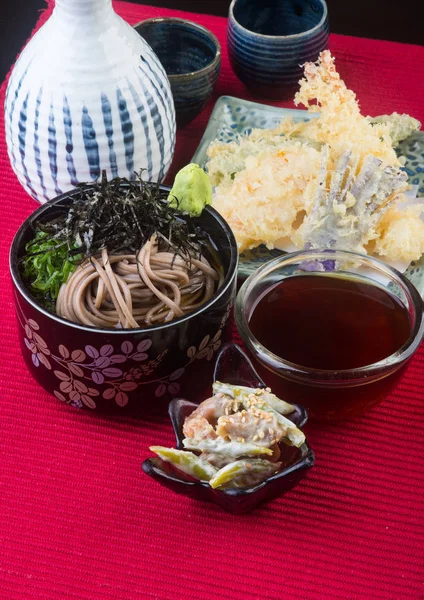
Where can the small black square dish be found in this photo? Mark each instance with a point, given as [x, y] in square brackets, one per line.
[233, 367]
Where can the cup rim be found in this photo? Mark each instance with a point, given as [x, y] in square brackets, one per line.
[20, 286]
[393, 361]
[178, 77]
[284, 37]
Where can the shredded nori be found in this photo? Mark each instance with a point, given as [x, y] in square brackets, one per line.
[119, 215]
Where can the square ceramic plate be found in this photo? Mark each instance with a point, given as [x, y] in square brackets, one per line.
[233, 116]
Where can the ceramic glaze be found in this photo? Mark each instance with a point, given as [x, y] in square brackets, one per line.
[270, 40]
[87, 94]
[191, 57]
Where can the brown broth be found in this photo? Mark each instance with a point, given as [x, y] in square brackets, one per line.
[330, 323]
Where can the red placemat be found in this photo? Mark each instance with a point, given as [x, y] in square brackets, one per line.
[78, 518]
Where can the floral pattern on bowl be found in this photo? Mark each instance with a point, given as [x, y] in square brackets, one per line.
[233, 116]
[109, 372]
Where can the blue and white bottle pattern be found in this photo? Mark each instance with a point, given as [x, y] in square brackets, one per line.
[87, 94]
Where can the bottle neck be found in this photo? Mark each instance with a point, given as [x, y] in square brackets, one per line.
[82, 8]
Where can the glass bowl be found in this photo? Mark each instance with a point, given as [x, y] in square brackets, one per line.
[233, 366]
[330, 394]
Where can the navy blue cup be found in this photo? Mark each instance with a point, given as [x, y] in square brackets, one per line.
[270, 40]
[191, 57]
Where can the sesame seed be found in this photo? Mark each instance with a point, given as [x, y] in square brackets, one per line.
[271, 431]
[261, 435]
[255, 438]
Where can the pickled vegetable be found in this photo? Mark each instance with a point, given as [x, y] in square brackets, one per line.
[187, 462]
[244, 473]
[234, 438]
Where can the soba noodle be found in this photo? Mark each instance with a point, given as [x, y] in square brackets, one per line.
[126, 290]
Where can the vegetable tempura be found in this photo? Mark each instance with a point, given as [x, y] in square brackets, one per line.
[312, 183]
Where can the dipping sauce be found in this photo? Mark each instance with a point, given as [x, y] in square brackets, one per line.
[330, 323]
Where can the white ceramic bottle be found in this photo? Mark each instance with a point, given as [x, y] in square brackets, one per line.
[87, 94]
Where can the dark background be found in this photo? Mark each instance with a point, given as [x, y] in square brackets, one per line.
[396, 20]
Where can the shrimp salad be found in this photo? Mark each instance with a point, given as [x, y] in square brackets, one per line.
[232, 440]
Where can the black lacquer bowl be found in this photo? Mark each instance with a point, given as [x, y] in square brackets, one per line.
[124, 371]
[234, 367]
